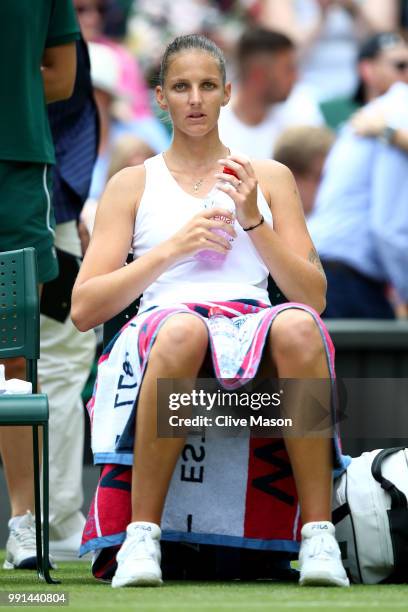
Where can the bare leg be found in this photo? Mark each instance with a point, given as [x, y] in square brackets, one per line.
[178, 352]
[16, 448]
[297, 350]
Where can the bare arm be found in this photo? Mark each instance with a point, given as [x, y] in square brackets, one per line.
[105, 286]
[372, 123]
[286, 249]
[58, 71]
[371, 15]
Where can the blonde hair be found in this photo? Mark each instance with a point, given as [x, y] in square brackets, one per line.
[125, 147]
[298, 146]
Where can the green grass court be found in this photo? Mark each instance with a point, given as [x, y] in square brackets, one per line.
[86, 594]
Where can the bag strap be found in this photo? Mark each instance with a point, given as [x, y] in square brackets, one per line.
[398, 521]
[340, 513]
[398, 498]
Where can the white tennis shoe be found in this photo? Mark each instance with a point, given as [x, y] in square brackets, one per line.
[139, 557]
[320, 558]
[21, 551]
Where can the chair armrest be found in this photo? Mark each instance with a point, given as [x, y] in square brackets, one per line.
[23, 409]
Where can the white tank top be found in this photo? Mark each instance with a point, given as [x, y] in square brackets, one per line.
[164, 208]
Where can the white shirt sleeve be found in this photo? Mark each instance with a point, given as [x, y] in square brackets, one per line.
[389, 213]
[301, 108]
[394, 105]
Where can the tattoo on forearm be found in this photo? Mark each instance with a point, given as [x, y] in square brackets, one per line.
[315, 260]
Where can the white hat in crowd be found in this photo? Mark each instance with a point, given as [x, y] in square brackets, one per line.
[105, 68]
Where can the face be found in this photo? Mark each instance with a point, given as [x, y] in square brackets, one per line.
[90, 17]
[273, 75]
[193, 92]
[388, 68]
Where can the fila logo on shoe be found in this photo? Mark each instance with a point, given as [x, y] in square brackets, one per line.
[144, 527]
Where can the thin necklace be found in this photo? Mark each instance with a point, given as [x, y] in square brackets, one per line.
[197, 185]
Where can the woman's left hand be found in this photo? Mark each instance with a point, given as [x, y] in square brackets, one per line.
[241, 188]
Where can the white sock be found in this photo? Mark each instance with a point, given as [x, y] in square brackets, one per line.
[139, 527]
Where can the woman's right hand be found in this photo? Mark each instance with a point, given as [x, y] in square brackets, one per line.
[198, 234]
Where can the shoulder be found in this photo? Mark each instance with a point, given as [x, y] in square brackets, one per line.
[278, 185]
[126, 187]
[129, 181]
[272, 172]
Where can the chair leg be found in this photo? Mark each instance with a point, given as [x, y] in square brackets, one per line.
[37, 502]
[46, 559]
[42, 559]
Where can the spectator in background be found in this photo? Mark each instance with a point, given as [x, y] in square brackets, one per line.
[114, 111]
[67, 355]
[303, 149]
[373, 123]
[375, 58]
[128, 150]
[116, 17]
[154, 24]
[92, 18]
[328, 33]
[360, 222]
[266, 100]
[130, 83]
[38, 66]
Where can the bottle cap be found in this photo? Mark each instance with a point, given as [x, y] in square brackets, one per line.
[227, 170]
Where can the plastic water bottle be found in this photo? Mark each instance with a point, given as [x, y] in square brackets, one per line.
[223, 334]
[218, 199]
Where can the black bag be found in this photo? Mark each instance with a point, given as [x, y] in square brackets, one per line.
[56, 295]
